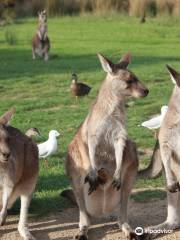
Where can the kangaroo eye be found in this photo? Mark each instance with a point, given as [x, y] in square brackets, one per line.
[130, 81]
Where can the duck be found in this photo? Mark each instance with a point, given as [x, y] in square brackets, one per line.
[79, 89]
[32, 132]
[49, 147]
[155, 122]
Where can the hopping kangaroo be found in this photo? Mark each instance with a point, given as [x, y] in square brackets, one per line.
[19, 167]
[102, 162]
[40, 41]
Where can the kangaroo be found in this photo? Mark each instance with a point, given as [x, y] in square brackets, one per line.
[101, 160]
[169, 134]
[169, 139]
[153, 170]
[40, 41]
[19, 167]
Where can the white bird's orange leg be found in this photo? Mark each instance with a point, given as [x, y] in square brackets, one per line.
[46, 163]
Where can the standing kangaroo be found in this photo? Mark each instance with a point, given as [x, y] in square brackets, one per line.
[40, 41]
[169, 135]
[102, 162]
[169, 142]
[19, 166]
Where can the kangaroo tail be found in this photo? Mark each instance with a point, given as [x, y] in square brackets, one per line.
[69, 194]
[155, 167]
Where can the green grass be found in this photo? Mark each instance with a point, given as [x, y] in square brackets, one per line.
[40, 90]
[146, 195]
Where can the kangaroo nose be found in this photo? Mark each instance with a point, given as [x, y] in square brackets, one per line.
[6, 155]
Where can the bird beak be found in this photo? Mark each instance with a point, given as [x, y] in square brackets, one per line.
[60, 134]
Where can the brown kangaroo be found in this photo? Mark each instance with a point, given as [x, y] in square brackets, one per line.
[40, 41]
[102, 162]
[19, 167]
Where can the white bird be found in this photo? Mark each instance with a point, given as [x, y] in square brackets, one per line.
[50, 146]
[155, 122]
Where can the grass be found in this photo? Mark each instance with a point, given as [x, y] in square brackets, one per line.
[40, 90]
[10, 37]
[146, 195]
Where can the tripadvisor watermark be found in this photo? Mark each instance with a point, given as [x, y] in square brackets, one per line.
[140, 231]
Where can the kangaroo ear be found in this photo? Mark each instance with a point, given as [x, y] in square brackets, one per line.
[106, 64]
[7, 116]
[175, 76]
[125, 61]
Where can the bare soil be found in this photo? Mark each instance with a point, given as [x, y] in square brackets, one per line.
[64, 225]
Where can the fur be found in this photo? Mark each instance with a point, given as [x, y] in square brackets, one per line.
[19, 167]
[102, 162]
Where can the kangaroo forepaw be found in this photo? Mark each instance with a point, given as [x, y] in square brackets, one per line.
[94, 181]
[116, 183]
[175, 187]
[81, 237]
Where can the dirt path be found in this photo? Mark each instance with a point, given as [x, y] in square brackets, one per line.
[63, 225]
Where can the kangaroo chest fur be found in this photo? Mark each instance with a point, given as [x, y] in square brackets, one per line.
[40, 48]
[109, 129]
[42, 32]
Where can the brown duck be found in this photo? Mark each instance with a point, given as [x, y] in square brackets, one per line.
[79, 89]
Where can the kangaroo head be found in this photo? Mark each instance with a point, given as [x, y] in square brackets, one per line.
[42, 16]
[4, 137]
[123, 81]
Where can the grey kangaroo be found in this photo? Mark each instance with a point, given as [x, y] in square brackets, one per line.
[102, 161]
[169, 141]
[169, 135]
[19, 166]
[40, 41]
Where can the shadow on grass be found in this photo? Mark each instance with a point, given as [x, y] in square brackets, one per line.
[17, 62]
[149, 60]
